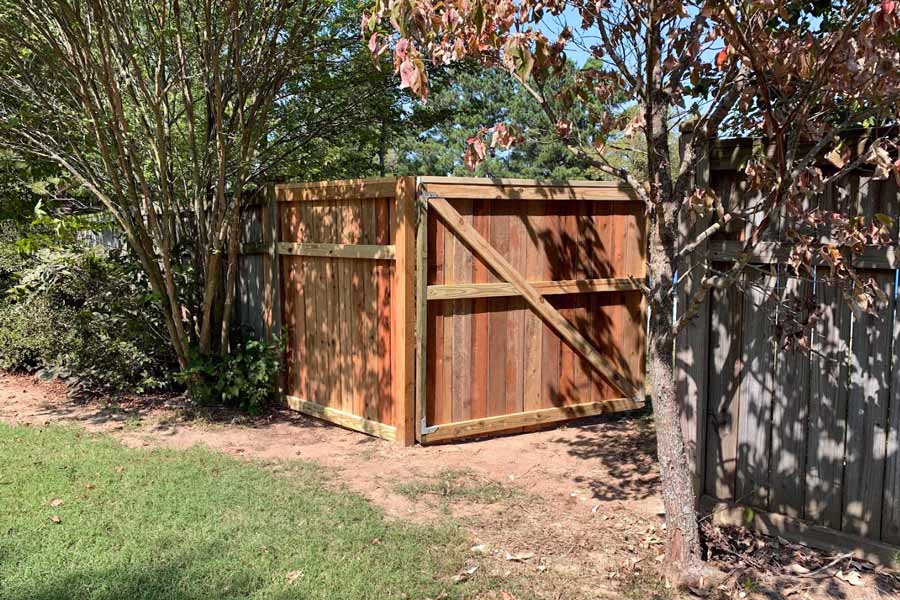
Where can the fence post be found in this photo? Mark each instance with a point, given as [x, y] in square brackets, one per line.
[404, 313]
[692, 344]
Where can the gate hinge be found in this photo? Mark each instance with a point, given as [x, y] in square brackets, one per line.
[425, 429]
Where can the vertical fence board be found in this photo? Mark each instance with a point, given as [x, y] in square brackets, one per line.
[790, 401]
[481, 220]
[383, 274]
[890, 526]
[315, 316]
[867, 417]
[356, 304]
[725, 356]
[515, 375]
[754, 420]
[498, 237]
[550, 347]
[461, 374]
[692, 344]
[533, 334]
[828, 407]
[434, 350]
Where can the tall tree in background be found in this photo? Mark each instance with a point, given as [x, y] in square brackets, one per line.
[800, 74]
[166, 112]
[469, 99]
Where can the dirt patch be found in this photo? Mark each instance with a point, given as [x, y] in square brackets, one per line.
[572, 512]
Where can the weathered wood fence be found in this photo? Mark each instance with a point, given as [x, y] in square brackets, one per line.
[808, 440]
[433, 309]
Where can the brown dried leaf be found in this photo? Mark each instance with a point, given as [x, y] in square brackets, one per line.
[294, 576]
[851, 577]
[56, 502]
[520, 556]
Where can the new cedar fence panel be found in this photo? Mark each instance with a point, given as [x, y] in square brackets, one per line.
[442, 308]
[808, 440]
[342, 252]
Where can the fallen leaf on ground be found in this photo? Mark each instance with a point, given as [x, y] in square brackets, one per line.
[56, 519]
[851, 577]
[797, 569]
[520, 557]
[56, 502]
[464, 575]
[294, 576]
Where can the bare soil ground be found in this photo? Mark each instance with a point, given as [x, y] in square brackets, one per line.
[572, 512]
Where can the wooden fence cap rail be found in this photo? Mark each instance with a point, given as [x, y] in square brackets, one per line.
[526, 189]
[456, 187]
[341, 189]
[505, 181]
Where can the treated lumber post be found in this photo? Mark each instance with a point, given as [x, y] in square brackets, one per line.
[404, 314]
[487, 253]
[421, 307]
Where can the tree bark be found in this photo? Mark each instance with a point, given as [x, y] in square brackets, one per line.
[683, 553]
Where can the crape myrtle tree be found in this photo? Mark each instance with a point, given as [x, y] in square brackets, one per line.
[170, 113]
[801, 75]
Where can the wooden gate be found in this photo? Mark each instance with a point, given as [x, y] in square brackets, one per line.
[441, 308]
[533, 309]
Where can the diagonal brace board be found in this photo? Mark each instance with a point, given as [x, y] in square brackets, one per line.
[552, 317]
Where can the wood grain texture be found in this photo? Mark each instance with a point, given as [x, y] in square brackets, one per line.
[827, 407]
[479, 289]
[890, 526]
[481, 221]
[790, 403]
[755, 418]
[867, 417]
[725, 370]
[346, 189]
[340, 250]
[383, 348]
[528, 419]
[348, 259]
[344, 419]
[403, 316]
[461, 342]
[498, 320]
[532, 337]
[501, 266]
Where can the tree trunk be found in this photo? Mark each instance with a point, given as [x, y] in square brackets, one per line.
[684, 562]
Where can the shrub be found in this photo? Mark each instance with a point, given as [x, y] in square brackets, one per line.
[83, 314]
[243, 379]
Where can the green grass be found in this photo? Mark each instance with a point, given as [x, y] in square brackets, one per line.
[451, 485]
[195, 524]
